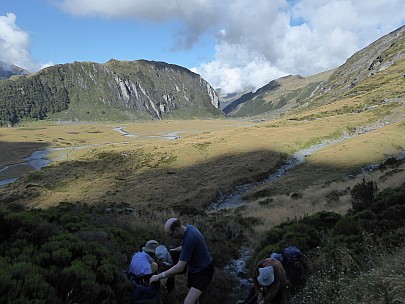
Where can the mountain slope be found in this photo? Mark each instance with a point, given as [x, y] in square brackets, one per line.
[363, 66]
[279, 95]
[296, 93]
[7, 70]
[127, 90]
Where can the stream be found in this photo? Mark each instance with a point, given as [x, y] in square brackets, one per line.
[234, 199]
[168, 135]
[237, 267]
[38, 159]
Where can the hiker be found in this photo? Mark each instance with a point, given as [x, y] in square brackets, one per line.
[295, 266]
[143, 262]
[141, 268]
[164, 261]
[270, 282]
[194, 254]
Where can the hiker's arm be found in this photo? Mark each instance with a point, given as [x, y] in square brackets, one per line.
[176, 249]
[170, 272]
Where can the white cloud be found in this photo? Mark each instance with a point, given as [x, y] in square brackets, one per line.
[15, 46]
[14, 43]
[324, 35]
[255, 41]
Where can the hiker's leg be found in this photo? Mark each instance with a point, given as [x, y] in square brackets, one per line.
[192, 296]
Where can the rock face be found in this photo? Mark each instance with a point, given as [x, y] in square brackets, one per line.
[373, 59]
[128, 90]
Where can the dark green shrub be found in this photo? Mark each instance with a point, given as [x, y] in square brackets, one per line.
[42, 261]
[267, 251]
[323, 220]
[367, 219]
[272, 236]
[389, 197]
[393, 217]
[363, 195]
[347, 225]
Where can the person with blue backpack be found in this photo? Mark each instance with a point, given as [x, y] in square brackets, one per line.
[141, 268]
[278, 276]
[295, 265]
[194, 254]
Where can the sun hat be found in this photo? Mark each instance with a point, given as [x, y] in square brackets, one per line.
[266, 276]
[150, 246]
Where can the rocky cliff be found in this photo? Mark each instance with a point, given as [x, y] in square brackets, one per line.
[125, 90]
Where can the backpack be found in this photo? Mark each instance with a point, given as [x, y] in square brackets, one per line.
[165, 261]
[290, 255]
[295, 266]
[143, 292]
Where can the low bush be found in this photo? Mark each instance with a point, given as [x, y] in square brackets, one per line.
[51, 256]
[344, 248]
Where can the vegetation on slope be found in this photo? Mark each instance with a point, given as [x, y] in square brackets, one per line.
[76, 252]
[374, 74]
[89, 212]
[117, 90]
[346, 252]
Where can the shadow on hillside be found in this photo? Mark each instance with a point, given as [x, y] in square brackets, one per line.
[116, 178]
[17, 150]
[16, 159]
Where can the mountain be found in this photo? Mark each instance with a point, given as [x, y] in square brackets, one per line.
[7, 70]
[227, 98]
[293, 93]
[277, 96]
[116, 90]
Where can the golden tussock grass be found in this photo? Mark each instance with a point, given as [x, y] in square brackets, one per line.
[335, 196]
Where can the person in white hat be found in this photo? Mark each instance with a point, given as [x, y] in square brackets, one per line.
[270, 282]
[142, 267]
[143, 262]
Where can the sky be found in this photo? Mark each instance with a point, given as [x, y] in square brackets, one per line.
[233, 44]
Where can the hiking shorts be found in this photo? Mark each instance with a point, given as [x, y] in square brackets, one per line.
[200, 280]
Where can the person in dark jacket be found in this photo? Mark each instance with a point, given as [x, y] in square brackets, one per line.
[270, 282]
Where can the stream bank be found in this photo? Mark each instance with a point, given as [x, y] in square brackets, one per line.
[40, 158]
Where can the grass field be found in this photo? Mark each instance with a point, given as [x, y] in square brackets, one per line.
[209, 158]
[161, 178]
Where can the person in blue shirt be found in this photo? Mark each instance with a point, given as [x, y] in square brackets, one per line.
[142, 262]
[141, 268]
[194, 254]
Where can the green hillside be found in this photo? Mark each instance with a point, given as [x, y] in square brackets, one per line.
[375, 72]
[316, 162]
[117, 90]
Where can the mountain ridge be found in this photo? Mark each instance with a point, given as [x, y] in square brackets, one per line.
[325, 87]
[8, 69]
[115, 90]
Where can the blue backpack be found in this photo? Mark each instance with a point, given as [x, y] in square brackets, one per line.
[290, 255]
[295, 265]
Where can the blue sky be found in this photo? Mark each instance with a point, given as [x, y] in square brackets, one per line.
[233, 44]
